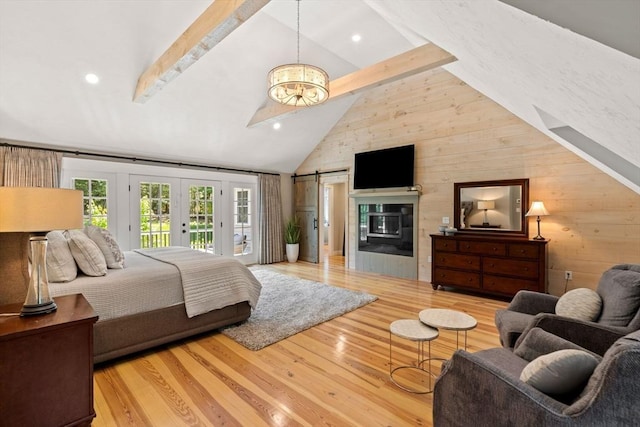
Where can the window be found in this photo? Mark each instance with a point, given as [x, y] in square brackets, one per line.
[242, 232]
[94, 200]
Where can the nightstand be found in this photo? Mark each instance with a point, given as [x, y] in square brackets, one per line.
[46, 365]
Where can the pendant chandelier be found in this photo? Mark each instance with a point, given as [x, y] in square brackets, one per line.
[299, 85]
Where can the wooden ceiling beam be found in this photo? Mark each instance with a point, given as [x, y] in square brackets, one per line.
[212, 26]
[422, 58]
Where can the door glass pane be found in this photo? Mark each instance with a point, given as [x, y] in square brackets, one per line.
[242, 230]
[155, 215]
[201, 218]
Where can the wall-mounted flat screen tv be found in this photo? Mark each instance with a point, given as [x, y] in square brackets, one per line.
[391, 167]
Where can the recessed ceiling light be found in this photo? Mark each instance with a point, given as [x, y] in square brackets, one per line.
[356, 38]
[276, 126]
[92, 78]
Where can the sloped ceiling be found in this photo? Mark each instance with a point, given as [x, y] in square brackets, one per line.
[525, 63]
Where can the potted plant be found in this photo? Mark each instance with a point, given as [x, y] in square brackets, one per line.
[292, 238]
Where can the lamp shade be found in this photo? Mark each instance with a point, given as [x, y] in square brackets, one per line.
[486, 204]
[37, 209]
[537, 209]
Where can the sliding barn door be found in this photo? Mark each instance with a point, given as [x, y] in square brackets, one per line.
[306, 208]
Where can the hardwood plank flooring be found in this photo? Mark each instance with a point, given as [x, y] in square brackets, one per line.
[334, 374]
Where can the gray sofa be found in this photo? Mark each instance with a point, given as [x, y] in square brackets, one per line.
[619, 290]
[485, 388]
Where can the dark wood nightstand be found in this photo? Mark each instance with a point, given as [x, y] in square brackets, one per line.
[46, 365]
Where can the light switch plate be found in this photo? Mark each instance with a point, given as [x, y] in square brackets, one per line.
[445, 220]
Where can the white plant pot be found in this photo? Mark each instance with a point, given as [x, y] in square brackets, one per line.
[292, 251]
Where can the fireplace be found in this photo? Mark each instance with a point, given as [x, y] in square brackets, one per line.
[386, 228]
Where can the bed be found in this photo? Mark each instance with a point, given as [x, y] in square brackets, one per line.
[161, 295]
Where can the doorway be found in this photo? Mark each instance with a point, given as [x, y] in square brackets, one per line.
[334, 211]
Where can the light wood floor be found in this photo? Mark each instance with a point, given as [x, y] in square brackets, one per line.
[334, 374]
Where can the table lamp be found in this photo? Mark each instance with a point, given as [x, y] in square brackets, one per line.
[486, 204]
[37, 211]
[538, 210]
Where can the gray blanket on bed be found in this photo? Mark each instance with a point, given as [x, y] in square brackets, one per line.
[209, 282]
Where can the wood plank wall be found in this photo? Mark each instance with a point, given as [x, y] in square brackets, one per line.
[461, 135]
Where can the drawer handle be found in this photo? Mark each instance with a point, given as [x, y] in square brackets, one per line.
[521, 251]
[495, 249]
[469, 262]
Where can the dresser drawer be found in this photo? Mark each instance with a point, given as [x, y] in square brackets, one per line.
[445, 245]
[456, 278]
[466, 262]
[484, 248]
[507, 285]
[519, 268]
[523, 251]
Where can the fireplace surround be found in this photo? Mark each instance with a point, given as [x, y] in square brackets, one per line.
[386, 232]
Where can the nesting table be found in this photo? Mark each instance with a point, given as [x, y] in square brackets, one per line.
[443, 318]
[412, 330]
[424, 330]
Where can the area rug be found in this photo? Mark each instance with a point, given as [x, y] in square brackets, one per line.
[289, 305]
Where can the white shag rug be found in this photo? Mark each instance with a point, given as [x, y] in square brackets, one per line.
[289, 305]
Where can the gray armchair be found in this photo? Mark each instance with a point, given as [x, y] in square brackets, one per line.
[619, 289]
[484, 388]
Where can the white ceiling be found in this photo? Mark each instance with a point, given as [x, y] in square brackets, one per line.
[525, 63]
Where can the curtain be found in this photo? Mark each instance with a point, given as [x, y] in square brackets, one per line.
[270, 217]
[22, 167]
[27, 167]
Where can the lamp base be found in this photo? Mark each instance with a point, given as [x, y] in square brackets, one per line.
[538, 238]
[34, 310]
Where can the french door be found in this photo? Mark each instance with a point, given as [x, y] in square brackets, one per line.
[201, 225]
[175, 212]
[210, 216]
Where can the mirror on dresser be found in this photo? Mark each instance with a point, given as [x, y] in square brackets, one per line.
[492, 207]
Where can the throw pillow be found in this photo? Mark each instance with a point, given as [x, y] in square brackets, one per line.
[61, 267]
[560, 372]
[581, 304]
[107, 244]
[87, 254]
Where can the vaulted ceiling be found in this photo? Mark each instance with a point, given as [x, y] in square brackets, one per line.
[580, 87]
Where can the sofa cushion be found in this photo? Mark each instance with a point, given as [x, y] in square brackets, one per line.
[582, 304]
[87, 254]
[619, 289]
[560, 372]
[107, 244]
[61, 267]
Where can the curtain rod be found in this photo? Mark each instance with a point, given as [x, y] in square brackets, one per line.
[139, 159]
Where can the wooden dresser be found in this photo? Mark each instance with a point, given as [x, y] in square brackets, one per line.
[493, 265]
[46, 365]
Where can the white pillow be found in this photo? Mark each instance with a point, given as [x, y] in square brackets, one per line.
[582, 304]
[61, 267]
[559, 372]
[87, 254]
[107, 244]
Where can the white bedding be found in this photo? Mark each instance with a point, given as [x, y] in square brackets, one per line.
[144, 284]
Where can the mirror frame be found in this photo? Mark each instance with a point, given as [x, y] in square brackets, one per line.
[523, 183]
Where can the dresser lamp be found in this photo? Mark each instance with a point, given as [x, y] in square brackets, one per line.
[37, 211]
[484, 205]
[537, 210]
